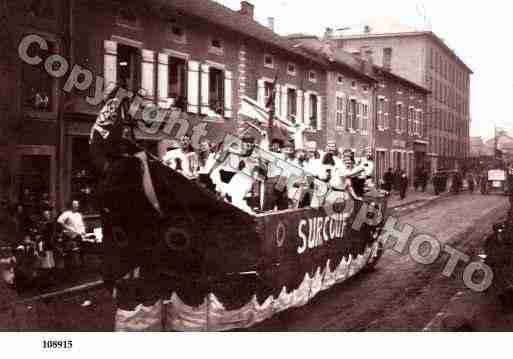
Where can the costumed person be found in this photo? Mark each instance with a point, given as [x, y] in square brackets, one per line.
[183, 159]
[242, 182]
[206, 161]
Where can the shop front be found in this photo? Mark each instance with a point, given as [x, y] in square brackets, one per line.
[28, 176]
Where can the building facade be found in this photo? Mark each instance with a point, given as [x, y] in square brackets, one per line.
[424, 59]
[401, 137]
[193, 57]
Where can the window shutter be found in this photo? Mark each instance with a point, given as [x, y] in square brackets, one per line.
[307, 109]
[163, 76]
[193, 86]
[284, 99]
[110, 62]
[358, 124]
[261, 92]
[205, 89]
[319, 112]
[349, 114]
[299, 111]
[228, 94]
[277, 100]
[148, 72]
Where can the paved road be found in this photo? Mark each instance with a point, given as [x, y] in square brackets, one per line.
[399, 295]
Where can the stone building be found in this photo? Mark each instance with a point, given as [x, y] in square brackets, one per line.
[423, 58]
[193, 56]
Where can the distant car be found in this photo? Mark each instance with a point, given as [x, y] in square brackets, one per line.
[495, 181]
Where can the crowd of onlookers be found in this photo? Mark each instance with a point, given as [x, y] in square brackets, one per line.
[45, 248]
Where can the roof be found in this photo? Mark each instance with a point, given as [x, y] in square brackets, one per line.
[339, 57]
[402, 79]
[430, 34]
[229, 19]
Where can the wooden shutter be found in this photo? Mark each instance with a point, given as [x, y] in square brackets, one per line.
[299, 103]
[319, 112]
[228, 94]
[349, 114]
[110, 60]
[277, 101]
[307, 109]
[284, 100]
[163, 77]
[193, 86]
[205, 89]
[148, 72]
[261, 92]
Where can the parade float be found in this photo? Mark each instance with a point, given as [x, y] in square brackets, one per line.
[196, 262]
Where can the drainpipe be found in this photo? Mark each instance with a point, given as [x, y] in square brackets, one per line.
[62, 187]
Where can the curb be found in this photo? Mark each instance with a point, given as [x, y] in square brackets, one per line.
[70, 290]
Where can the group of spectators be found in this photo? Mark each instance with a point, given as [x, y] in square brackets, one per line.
[279, 174]
[396, 181]
[43, 246]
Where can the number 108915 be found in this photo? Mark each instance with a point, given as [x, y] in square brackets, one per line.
[57, 344]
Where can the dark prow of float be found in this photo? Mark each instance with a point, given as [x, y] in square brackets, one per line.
[215, 267]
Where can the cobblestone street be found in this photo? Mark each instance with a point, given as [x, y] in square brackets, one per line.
[401, 294]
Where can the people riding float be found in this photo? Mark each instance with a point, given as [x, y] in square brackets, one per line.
[183, 159]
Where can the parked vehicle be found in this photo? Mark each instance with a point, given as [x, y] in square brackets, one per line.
[495, 181]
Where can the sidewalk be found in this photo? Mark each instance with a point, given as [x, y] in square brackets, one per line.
[414, 199]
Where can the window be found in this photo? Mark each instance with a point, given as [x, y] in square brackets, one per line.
[312, 76]
[269, 61]
[398, 116]
[411, 119]
[291, 69]
[365, 88]
[178, 34]
[431, 60]
[353, 84]
[340, 79]
[340, 111]
[381, 113]
[353, 114]
[216, 90]
[291, 104]
[177, 89]
[128, 67]
[421, 123]
[177, 31]
[38, 85]
[127, 17]
[268, 91]
[313, 109]
[365, 117]
[216, 46]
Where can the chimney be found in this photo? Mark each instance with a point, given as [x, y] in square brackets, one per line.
[246, 9]
[328, 33]
[387, 59]
[270, 23]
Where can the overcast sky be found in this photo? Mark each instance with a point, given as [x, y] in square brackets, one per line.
[479, 32]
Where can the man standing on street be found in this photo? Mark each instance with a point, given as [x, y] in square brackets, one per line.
[403, 184]
[73, 230]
